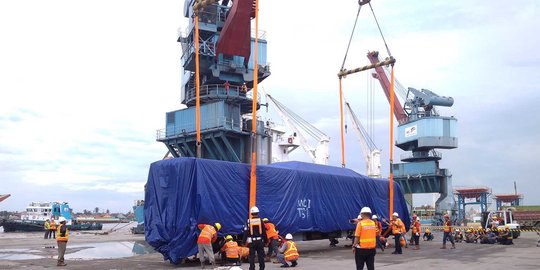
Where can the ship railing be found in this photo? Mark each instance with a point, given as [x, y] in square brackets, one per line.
[161, 134]
[220, 91]
[222, 122]
[430, 154]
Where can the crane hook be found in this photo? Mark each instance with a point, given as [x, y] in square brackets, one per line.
[363, 2]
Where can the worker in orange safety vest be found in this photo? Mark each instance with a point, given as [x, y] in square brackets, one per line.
[398, 228]
[232, 254]
[375, 219]
[52, 228]
[272, 236]
[447, 229]
[288, 252]
[61, 240]
[415, 232]
[365, 243]
[255, 237]
[207, 236]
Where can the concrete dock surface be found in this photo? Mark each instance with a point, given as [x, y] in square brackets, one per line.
[122, 250]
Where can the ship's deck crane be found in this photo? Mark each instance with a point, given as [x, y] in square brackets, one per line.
[422, 130]
[372, 154]
[382, 74]
[319, 154]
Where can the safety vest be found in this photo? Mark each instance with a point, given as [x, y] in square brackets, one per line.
[510, 235]
[379, 227]
[243, 252]
[291, 253]
[415, 227]
[255, 222]
[368, 234]
[52, 225]
[271, 232]
[447, 226]
[59, 236]
[231, 250]
[47, 225]
[207, 234]
[397, 226]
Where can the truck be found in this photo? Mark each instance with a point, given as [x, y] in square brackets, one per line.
[528, 217]
[504, 217]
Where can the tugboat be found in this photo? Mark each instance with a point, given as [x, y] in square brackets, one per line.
[36, 214]
[138, 210]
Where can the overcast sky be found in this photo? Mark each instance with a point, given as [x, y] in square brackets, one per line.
[85, 85]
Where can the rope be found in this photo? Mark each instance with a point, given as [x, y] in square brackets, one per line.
[253, 173]
[310, 129]
[113, 229]
[197, 88]
[304, 125]
[379, 27]
[369, 141]
[341, 119]
[350, 39]
[391, 178]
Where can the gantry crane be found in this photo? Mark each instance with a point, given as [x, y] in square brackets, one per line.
[319, 154]
[372, 154]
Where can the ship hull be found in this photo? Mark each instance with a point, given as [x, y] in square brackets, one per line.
[20, 226]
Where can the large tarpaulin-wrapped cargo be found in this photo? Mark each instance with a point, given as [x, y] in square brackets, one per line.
[297, 197]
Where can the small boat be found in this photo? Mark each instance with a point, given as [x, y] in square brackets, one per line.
[36, 214]
[138, 210]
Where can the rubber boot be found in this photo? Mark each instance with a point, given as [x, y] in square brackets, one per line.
[202, 264]
[443, 246]
[453, 246]
[60, 264]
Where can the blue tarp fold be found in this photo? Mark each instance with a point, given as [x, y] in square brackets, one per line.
[297, 197]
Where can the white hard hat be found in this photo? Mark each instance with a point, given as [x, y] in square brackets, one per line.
[365, 210]
[61, 219]
[395, 214]
[288, 236]
[374, 217]
[254, 210]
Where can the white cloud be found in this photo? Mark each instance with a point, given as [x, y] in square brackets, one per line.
[84, 86]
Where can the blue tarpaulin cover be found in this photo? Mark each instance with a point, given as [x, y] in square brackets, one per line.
[297, 197]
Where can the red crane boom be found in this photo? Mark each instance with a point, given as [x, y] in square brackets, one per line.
[399, 112]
